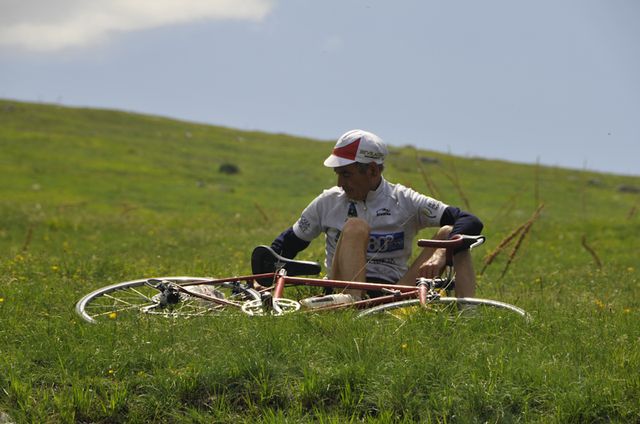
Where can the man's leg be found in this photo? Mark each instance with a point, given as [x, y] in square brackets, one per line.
[410, 277]
[465, 275]
[462, 264]
[350, 258]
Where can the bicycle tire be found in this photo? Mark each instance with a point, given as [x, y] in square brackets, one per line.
[138, 297]
[462, 301]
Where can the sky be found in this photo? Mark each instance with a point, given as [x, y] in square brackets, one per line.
[549, 81]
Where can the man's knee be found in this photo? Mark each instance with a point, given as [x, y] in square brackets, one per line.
[443, 232]
[356, 228]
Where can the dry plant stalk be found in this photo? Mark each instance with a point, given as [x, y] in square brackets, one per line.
[507, 207]
[430, 184]
[520, 231]
[492, 255]
[591, 251]
[262, 212]
[583, 191]
[27, 238]
[632, 212]
[456, 184]
[527, 226]
[536, 183]
[126, 208]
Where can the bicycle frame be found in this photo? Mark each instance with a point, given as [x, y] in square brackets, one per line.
[170, 296]
[397, 292]
[424, 289]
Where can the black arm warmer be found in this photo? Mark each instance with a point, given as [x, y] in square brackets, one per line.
[463, 223]
[287, 244]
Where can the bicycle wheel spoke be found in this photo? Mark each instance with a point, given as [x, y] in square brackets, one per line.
[144, 296]
[122, 300]
[116, 311]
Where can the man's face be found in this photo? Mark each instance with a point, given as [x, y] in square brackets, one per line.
[353, 181]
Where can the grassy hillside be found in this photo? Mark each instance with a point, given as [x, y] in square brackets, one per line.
[92, 197]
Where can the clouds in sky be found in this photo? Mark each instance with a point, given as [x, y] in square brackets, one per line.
[49, 26]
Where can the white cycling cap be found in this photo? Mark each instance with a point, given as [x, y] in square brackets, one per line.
[357, 146]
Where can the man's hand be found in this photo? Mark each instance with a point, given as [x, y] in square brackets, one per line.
[432, 267]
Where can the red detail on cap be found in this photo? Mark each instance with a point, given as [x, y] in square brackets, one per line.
[349, 151]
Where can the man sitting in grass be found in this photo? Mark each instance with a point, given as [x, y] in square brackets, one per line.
[370, 224]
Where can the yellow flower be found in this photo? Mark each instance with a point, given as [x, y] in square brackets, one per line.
[113, 315]
[626, 310]
[1, 299]
[404, 345]
[54, 268]
[599, 303]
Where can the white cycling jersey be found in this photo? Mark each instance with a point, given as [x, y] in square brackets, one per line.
[394, 213]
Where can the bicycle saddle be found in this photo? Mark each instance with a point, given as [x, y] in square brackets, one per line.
[264, 260]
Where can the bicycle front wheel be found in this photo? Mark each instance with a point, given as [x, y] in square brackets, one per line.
[177, 297]
[464, 304]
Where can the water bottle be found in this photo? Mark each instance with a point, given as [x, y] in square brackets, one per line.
[330, 299]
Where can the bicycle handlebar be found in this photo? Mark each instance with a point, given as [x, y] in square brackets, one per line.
[456, 241]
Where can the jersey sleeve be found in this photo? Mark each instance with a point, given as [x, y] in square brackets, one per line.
[463, 222]
[309, 225]
[429, 210]
[288, 244]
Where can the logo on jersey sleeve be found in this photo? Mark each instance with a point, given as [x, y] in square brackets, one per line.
[388, 242]
[431, 209]
[304, 224]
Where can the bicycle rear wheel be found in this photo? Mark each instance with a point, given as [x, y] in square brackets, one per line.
[406, 307]
[163, 296]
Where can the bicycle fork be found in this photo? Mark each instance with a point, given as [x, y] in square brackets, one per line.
[428, 288]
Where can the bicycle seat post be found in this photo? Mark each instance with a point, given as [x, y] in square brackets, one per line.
[280, 280]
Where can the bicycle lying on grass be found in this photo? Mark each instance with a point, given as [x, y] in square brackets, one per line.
[200, 296]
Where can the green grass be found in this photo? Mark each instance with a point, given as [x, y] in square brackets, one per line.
[93, 197]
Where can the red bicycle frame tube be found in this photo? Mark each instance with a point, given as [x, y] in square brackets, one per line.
[217, 300]
[246, 278]
[339, 284]
[317, 282]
